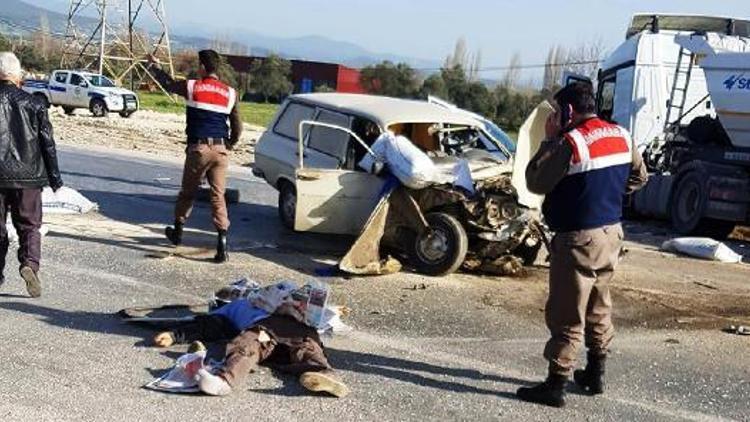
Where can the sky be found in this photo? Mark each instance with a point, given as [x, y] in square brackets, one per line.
[429, 28]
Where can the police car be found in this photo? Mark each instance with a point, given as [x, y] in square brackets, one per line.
[78, 89]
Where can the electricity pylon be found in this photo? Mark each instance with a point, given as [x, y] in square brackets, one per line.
[114, 36]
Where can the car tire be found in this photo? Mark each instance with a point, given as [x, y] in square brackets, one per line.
[98, 107]
[68, 110]
[287, 204]
[442, 248]
[42, 99]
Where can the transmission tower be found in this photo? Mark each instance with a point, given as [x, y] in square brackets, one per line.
[117, 44]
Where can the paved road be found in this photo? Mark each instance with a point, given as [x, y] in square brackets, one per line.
[442, 353]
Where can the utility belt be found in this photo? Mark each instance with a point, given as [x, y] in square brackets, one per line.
[207, 141]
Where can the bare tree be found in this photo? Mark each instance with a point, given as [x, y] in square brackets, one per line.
[512, 75]
[460, 55]
[585, 57]
[553, 66]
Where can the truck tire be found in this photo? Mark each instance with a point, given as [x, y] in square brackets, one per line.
[287, 204]
[688, 202]
[69, 110]
[98, 107]
[442, 249]
[42, 99]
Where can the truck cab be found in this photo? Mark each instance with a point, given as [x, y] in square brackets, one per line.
[660, 84]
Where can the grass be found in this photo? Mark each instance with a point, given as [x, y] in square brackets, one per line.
[252, 113]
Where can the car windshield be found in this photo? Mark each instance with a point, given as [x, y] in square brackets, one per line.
[501, 136]
[97, 80]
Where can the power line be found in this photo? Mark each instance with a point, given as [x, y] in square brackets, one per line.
[528, 66]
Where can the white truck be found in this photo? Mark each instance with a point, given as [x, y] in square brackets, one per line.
[681, 85]
[74, 89]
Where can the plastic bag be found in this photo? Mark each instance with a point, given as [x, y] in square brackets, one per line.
[409, 164]
[181, 378]
[65, 201]
[702, 247]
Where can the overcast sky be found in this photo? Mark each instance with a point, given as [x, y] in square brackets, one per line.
[429, 28]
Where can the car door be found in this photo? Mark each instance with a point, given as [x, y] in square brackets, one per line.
[79, 91]
[58, 87]
[330, 199]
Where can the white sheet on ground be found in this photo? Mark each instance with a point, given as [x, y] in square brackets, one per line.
[702, 247]
[65, 201]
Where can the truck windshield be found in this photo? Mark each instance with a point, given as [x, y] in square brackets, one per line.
[97, 80]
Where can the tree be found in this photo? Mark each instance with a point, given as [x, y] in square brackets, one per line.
[393, 80]
[510, 80]
[271, 77]
[455, 83]
[434, 85]
[186, 64]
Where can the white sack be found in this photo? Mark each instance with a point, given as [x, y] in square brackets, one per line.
[405, 160]
[702, 247]
[65, 201]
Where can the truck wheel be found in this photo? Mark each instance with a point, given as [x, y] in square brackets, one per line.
[442, 249]
[42, 99]
[69, 110]
[287, 204]
[98, 107]
[689, 203]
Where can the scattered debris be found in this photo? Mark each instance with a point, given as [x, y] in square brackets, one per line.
[181, 379]
[706, 285]
[672, 341]
[739, 330]
[702, 247]
[420, 286]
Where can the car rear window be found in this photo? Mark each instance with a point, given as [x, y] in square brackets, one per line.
[288, 123]
[333, 142]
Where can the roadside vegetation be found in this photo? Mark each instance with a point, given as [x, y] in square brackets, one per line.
[258, 114]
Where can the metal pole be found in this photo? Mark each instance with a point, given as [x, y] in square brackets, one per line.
[130, 34]
[103, 11]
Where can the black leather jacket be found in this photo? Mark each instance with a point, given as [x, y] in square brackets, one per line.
[28, 158]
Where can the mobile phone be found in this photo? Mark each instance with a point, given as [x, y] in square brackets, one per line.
[564, 116]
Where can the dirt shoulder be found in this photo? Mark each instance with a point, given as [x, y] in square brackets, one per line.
[149, 132]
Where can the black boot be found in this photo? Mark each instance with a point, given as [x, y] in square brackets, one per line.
[551, 392]
[174, 234]
[221, 248]
[591, 379]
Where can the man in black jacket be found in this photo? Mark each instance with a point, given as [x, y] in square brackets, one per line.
[28, 162]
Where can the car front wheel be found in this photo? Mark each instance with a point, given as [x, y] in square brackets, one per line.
[98, 107]
[442, 248]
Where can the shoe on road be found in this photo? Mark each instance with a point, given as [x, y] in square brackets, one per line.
[33, 285]
[323, 382]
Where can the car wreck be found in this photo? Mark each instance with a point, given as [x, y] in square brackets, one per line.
[410, 178]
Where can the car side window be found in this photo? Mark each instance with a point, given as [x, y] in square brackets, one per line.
[330, 141]
[61, 77]
[75, 80]
[288, 123]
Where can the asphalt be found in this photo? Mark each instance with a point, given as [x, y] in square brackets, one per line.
[441, 352]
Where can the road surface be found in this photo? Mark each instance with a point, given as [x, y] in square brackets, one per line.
[448, 350]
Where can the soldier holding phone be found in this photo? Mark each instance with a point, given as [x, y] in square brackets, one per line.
[585, 167]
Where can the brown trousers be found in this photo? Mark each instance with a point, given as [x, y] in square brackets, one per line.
[288, 345]
[210, 162]
[25, 207]
[579, 305]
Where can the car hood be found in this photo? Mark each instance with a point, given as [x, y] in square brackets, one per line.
[530, 136]
[482, 164]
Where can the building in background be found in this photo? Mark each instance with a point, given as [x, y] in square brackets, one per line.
[307, 76]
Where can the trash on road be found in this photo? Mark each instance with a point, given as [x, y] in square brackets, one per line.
[66, 201]
[181, 379]
[702, 247]
[739, 330]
